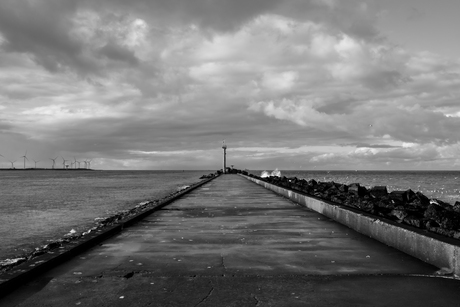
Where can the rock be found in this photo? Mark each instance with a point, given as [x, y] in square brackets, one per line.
[410, 196]
[430, 224]
[351, 201]
[444, 232]
[456, 234]
[456, 207]
[400, 214]
[207, 176]
[378, 191]
[342, 188]
[338, 199]
[322, 186]
[442, 204]
[399, 197]
[446, 219]
[332, 190]
[424, 201]
[53, 245]
[357, 189]
[367, 205]
[385, 202]
[413, 221]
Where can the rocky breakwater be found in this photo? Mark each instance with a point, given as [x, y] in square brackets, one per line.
[406, 207]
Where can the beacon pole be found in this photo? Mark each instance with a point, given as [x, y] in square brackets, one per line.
[224, 147]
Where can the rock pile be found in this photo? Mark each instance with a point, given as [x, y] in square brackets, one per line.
[406, 207]
[208, 176]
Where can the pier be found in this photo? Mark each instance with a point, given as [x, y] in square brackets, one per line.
[232, 242]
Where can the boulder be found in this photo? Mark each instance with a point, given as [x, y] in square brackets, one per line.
[414, 221]
[446, 219]
[342, 187]
[357, 190]
[378, 191]
[338, 199]
[351, 201]
[410, 196]
[442, 204]
[367, 205]
[456, 207]
[332, 190]
[422, 199]
[399, 197]
[430, 224]
[399, 213]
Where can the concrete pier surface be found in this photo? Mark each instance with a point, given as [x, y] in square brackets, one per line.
[234, 243]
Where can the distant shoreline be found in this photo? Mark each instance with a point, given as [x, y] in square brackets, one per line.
[46, 169]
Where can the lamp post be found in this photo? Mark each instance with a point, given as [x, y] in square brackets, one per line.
[224, 147]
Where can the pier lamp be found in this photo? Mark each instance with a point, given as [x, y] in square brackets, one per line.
[224, 147]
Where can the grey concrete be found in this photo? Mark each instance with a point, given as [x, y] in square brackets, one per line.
[233, 243]
[432, 248]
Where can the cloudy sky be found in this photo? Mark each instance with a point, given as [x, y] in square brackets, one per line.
[293, 84]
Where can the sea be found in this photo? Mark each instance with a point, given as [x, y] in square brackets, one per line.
[38, 206]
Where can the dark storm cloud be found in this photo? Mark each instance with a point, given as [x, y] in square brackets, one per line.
[220, 15]
[119, 53]
[41, 29]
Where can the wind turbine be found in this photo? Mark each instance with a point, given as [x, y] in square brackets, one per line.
[54, 161]
[25, 158]
[89, 163]
[12, 164]
[63, 162]
[36, 163]
[75, 162]
[86, 163]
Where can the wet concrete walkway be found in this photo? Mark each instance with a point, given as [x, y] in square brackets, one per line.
[234, 243]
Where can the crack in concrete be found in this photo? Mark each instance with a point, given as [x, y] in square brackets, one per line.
[206, 297]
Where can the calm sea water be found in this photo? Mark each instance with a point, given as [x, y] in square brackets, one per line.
[443, 185]
[40, 205]
[37, 206]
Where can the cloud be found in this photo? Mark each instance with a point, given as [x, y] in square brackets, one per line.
[364, 145]
[119, 53]
[40, 28]
[114, 79]
[407, 124]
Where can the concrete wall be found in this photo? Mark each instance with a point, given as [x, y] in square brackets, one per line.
[431, 248]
